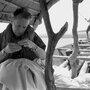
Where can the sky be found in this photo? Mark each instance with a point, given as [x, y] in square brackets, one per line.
[62, 12]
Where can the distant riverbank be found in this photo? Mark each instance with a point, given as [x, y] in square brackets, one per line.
[65, 40]
[80, 35]
[62, 42]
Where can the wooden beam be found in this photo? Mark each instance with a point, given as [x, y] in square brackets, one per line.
[84, 45]
[31, 9]
[83, 42]
[61, 57]
[4, 12]
[33, 1]
[81, 50]
[84, 54]
[84, 50]
[63, 48]
[86, 58]
[49, 4]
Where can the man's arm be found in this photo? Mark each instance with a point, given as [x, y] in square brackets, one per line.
[39, 47]
[3, 54]
[38, 41]
[39, 52]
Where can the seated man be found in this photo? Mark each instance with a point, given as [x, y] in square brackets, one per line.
[19, 47]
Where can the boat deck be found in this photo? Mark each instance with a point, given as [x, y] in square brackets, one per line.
[84, 49]
[60, 54]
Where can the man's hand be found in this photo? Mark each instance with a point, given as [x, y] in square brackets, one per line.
[37, 50]
[27, 43]
[12, 47]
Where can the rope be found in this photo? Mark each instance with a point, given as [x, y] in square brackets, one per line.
[84, 17]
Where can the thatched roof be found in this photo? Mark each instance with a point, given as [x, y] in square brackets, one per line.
[7, 7]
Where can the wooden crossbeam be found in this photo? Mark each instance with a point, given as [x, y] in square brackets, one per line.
[84, 41]
[86, 58]
[84, 45]
[32, 6]
[84, 54]
[63, 48]
[84, 50]
[58, 56]
[87, 53]
[81, 50]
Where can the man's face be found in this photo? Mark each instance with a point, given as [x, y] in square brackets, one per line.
[19, 25]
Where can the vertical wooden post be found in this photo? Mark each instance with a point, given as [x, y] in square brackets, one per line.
[52, 41]
[74, 55]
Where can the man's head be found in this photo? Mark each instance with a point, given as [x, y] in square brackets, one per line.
[21, 21]
[22, 12]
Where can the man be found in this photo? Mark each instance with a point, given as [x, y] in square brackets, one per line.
[20, 30]
[87, 32]
[20, 45]
[88, 28]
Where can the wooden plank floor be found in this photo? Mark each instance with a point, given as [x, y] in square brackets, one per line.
[84, 52]
[84, 45]
[63, 88]
[86, 58]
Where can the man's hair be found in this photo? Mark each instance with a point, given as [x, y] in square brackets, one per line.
[22, 12]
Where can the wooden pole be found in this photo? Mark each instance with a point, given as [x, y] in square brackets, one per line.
[74, 55]
[52, 41]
